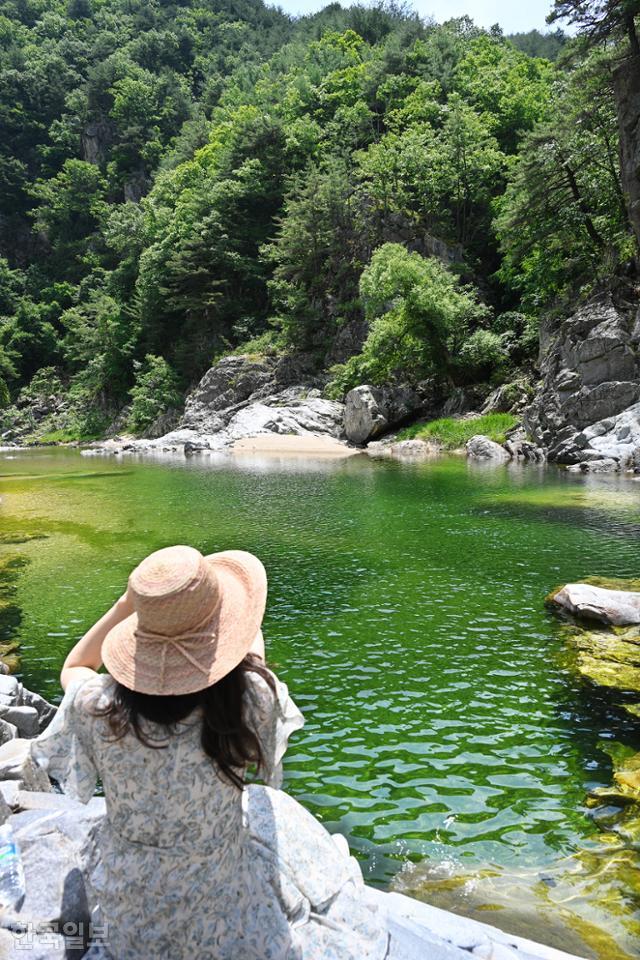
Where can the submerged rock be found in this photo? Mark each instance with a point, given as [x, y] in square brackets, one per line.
[584, 904]
[412, 450]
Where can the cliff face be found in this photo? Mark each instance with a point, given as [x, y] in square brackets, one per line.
[586, 410]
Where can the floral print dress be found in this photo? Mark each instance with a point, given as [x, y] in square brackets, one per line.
[185, 865]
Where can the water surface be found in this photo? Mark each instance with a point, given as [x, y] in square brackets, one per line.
[443, 719]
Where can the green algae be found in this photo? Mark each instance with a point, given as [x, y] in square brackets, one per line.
[587, 904]
[10, 612]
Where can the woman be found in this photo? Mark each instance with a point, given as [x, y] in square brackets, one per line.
[189, 862]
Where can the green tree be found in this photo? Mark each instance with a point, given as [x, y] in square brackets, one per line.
[70, 210]
[155, 391]
[418, 315]
[562, 222]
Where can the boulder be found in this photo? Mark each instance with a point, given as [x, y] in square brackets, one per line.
[229, 382]
[45, 710]
[16, 763]
[371, 411]
[615, 607]
[52, 844]
[25, 719]
[482, 448]
[242, 397]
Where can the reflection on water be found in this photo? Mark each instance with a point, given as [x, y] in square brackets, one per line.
[405, 612]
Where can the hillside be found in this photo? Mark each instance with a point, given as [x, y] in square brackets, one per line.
[376, 196]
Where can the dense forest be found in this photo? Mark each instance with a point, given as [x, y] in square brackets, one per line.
[180, 179]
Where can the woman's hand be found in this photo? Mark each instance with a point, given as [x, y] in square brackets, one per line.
[85, 659]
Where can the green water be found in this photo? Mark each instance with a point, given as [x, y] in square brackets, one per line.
[405, 613]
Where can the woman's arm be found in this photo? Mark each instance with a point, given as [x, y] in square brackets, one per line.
[85, 659]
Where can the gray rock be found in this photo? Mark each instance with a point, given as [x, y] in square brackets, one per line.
[7, 731]
[615, 607]
[519, 447]
[16, 763]
[45, 710]
[414, 450]
[482, 448]
[242, 397]
[587, 405]
[597, 465]
[24, 718]
[10, 687]
[52, 845]
[229, 382]
[10, 790]
[5, 810]
[371, 411]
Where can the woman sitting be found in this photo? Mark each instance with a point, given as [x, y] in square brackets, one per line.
[190, 862]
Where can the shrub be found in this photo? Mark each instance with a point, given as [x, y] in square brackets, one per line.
[482, 354]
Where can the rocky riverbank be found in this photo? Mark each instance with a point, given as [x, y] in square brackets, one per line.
[584, 412]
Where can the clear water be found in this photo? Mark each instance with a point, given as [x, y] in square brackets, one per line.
[406, 614]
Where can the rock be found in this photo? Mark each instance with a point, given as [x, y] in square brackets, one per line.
[617, 607]
[414, 450]
[52, 844]
[7, 731]
[192, 447]
[5, 810]
[229, 382]
[508, 397]
[24, 718]
[371, 411]
[45, 710]
[482, 448]
[604, 465]
[242, 397]
[9, 687]
[163, 424]
[587, 405]
[10, 790]
[16, 763]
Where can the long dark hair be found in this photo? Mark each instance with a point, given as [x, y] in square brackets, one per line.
[225, 735]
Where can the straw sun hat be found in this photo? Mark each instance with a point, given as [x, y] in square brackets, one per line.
[195, 620]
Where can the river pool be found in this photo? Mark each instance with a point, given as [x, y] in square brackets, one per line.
[443, 719]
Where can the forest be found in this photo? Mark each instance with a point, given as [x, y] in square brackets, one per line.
[378, 195]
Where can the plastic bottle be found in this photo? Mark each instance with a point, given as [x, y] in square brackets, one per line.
[12, 888]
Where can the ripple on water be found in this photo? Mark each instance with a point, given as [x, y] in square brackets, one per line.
[405, 613]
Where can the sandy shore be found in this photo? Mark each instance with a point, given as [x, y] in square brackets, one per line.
[306, 446]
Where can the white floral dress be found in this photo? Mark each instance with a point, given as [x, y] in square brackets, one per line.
[185, 865]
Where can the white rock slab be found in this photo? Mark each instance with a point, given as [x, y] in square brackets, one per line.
[616, 607]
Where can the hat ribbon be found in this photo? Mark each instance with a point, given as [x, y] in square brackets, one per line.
[178, 640]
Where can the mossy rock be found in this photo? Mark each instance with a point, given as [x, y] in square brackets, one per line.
[613, 583]
[609, 673]
[633, 709]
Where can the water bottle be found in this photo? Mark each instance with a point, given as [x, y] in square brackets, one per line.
[12, 887]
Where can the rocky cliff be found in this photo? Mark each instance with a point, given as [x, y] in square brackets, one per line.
[586, 411]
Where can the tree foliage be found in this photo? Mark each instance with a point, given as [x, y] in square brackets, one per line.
[179, 178]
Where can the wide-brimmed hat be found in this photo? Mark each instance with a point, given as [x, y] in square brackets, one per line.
[195, 619]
